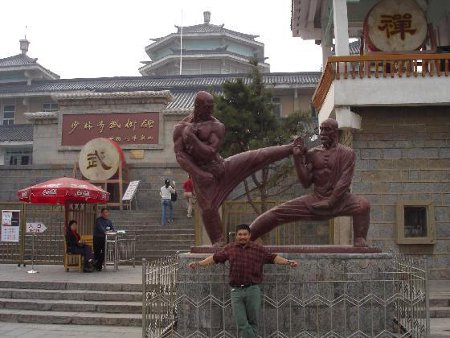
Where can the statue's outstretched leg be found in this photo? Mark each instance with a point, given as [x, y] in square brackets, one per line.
[290, 211]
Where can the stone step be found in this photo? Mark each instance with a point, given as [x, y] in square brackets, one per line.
[439, 312]
[77, 318]
[71, 305]
[53, 286]
[80, 295]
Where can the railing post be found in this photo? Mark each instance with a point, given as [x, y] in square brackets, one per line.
[144, 298]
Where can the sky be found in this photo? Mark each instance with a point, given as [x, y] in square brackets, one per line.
[99, 38]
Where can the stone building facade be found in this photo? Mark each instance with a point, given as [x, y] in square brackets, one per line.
[396, 116]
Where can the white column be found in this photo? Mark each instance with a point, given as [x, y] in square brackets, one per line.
[340, 20]
[326, 52]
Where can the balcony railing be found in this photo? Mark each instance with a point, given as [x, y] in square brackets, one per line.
[379, 66]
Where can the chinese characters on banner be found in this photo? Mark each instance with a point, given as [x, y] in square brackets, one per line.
[134, 128]
[10, 226]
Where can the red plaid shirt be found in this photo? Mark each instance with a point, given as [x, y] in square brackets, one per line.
[246, 262]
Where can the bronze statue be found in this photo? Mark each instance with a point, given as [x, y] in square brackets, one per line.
[330, 168]
[197, 140]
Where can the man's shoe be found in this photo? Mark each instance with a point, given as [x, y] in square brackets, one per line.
[87, 270]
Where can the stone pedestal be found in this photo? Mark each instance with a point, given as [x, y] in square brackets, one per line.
[329, 293]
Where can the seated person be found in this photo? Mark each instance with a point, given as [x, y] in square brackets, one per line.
[76, 246]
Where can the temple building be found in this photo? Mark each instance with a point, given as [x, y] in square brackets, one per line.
[392, 102]
[45, 120]
[203, 49]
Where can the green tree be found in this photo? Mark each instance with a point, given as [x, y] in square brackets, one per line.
[247, 112]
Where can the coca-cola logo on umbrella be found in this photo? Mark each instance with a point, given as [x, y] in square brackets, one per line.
[82, 193]
[48, 192]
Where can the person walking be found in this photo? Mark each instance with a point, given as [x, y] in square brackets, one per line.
[247, 259]
[102, 225]
[188, 188]
[166, 202]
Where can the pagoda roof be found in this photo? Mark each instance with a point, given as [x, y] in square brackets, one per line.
[210, 28]
[23, 61]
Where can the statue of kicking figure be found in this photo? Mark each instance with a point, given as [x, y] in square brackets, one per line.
[197, 140]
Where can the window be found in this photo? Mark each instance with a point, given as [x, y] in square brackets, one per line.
[49, 107]
[415, 223]
[8, 114]
[276, 102]
[18, 157]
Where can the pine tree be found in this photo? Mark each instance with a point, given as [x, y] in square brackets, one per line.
[247, 112]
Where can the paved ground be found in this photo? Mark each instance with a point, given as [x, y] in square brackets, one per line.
[9, 330]
[55, 273]
[440, 327]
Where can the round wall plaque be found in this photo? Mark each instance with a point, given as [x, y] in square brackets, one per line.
[395, 26]
[100, 159]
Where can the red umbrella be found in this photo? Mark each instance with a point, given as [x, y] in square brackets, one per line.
[63, 190]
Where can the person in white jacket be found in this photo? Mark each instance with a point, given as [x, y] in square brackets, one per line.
[166, 201]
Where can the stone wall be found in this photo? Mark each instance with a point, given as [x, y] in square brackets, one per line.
[403, 154]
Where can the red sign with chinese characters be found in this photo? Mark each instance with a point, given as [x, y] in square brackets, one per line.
[124, 128]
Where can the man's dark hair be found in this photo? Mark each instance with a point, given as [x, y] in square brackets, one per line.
[103, 209]
[242, 227]
[72, 222]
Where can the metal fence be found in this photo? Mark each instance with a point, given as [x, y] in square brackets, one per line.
[48, 246]
[384, 301]
[159, 296]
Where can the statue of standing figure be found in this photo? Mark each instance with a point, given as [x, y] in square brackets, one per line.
[197, 140]
[330, 168]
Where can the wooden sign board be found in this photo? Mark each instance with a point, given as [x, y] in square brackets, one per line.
[131, 191]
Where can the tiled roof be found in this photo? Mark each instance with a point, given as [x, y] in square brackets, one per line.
[16, 133]
[146, 83]
[17, 60]
[209, 28]
[112, 95]
[23, 60]
[353, 46]
[182, 88]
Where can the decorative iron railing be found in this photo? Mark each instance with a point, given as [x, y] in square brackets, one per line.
[387, 299]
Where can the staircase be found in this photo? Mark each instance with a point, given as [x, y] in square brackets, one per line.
[71, 303]
[154, 241]
[440, 305]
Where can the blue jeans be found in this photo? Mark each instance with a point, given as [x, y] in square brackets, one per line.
[164, 205]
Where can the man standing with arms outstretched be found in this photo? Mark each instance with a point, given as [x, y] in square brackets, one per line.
[197, 140]
[330, 168]
[247, 260]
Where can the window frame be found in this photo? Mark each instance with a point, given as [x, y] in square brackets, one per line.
[51, 109]
[10, 120]
[430, 238]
